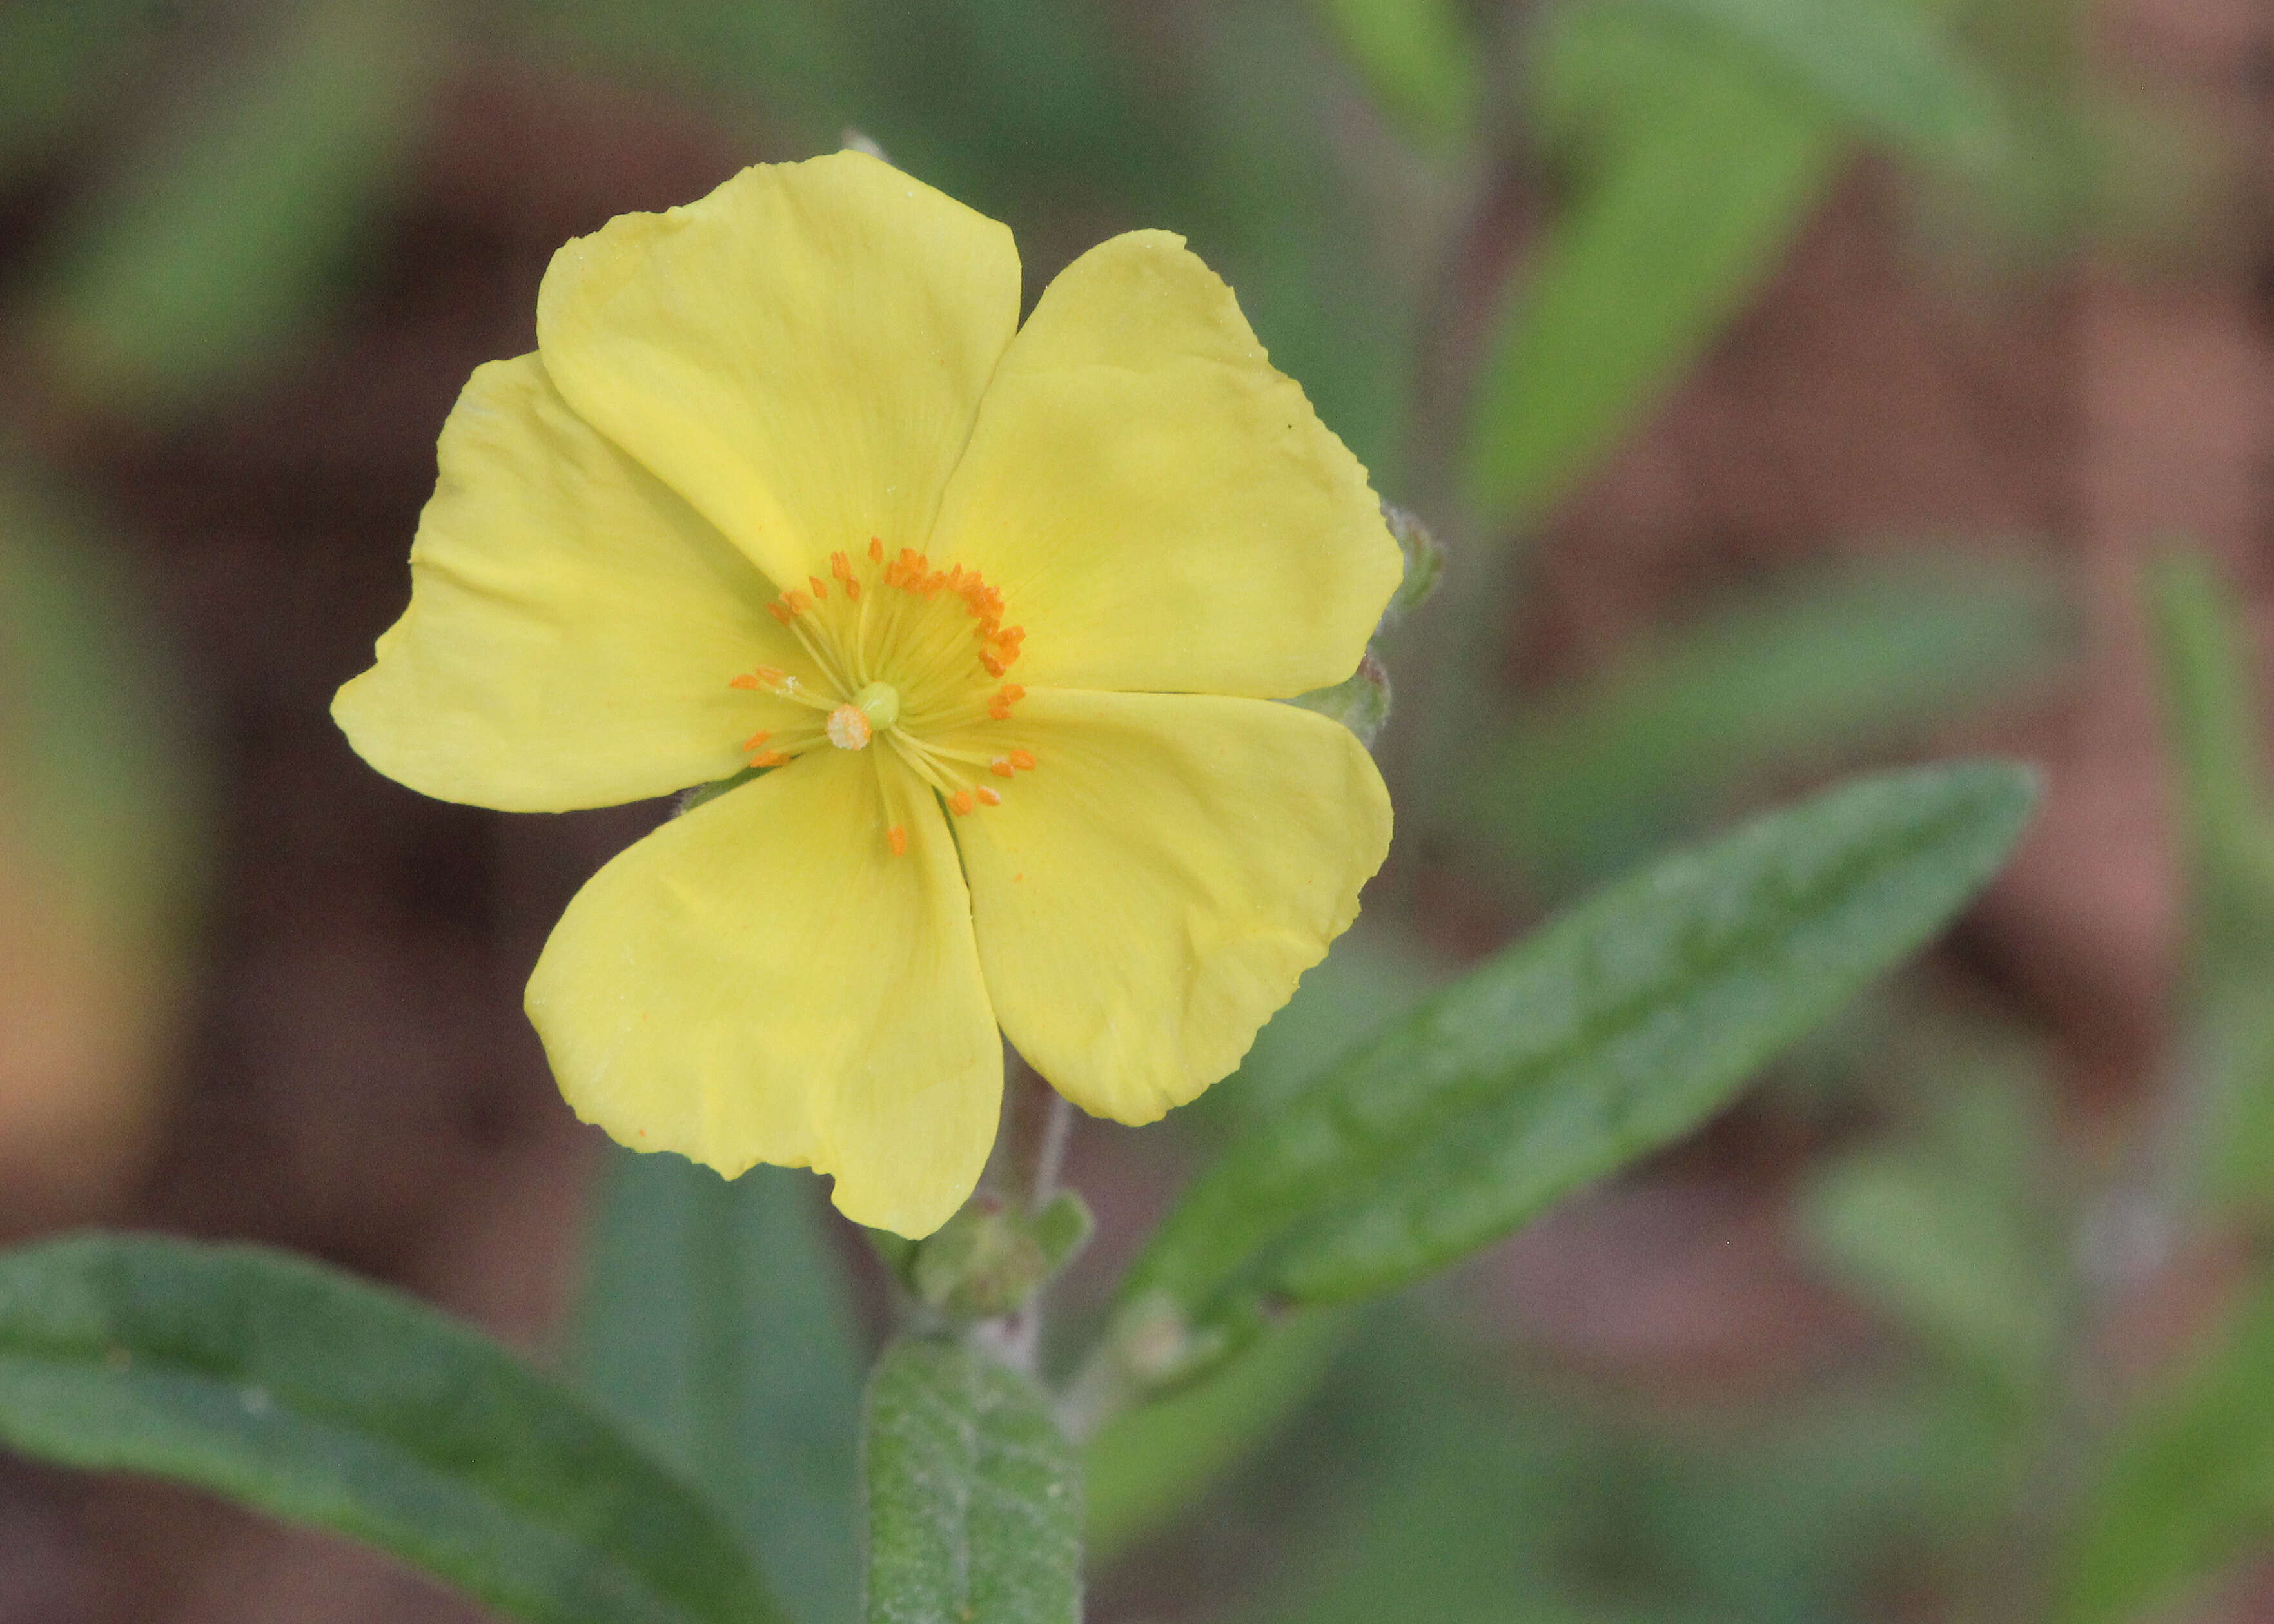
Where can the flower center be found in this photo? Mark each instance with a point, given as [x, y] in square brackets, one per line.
[852, 724]
[906, 653]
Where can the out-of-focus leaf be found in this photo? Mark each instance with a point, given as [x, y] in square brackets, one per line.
[806, 63]
[1938, 1234]
[1826, 665]
[216, 241]
[2214, 719]
[330, 1401]
[1417, 57]
[2189, 1483]
[1612, 1033]
[1450, 1488]
[56, 59]
[83, 714]
[974, 1495]
[1272, 205]
[1887, 68]
[1709, 172]
[716, 1320]
[102, 830]
[1149, 1465]
[1702, 131]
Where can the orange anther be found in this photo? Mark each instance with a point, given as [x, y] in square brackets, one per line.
[769, 675]
[756, 740]
[840, 567]
[961, 801]
[744, 680]
[1000, 766]
[769, 758]
[819, 590]
[853, 590]
[1023, 760]
[1012, 694]
[1000, 712]
[798, 602]
[988, 795]
[875, 551]
[899, 837]
[780, 613]
[995, 667]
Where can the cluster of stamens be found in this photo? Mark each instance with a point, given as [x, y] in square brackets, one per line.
[897, 661]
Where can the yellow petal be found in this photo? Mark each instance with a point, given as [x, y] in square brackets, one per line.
[1148, 895]
[1160, 508]
[763, 981]
[800, 354]
[573, 625]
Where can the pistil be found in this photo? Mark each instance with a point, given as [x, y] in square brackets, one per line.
[913, 654]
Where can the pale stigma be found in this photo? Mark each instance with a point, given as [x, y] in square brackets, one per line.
[852, 725]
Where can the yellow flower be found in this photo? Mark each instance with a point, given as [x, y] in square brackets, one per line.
[786, 484]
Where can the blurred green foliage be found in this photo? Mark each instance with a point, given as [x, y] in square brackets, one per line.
[715, 1319]
[1819, 667]
[89, 702]
[208, 249]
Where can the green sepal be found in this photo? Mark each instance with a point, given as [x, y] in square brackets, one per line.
[992, 1258]
[690, 798]
[1424, 565]
[1361, 703]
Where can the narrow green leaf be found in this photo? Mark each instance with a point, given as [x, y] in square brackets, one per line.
[1610, 1034]
[1948, 1231]
[1703, 131]
[1886, 67]
[2188, 1484]
[1823, 664]
[2213, 716]
[216, 241]
[974, 1495]
[1709, 171]
[328, 1401]
[1417, 56]
[717, 1320]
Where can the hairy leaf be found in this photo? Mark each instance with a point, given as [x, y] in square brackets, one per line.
[974, 1495]
[330, 1401]
[1612, 1033]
